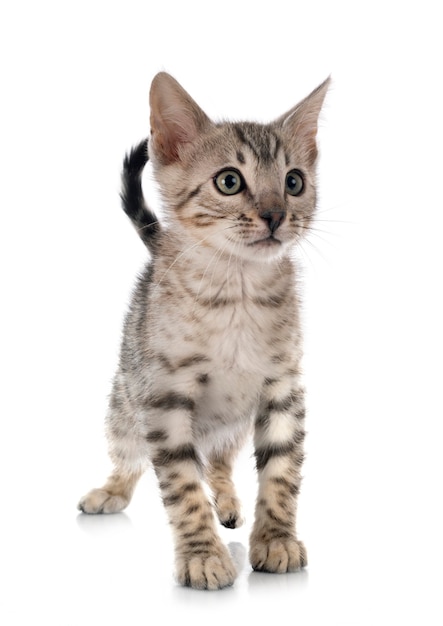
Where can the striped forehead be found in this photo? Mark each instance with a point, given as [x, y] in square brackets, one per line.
[261, 141]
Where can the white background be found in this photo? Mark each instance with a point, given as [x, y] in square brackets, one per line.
[75, 79]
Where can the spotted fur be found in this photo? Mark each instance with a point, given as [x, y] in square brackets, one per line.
[211, 346]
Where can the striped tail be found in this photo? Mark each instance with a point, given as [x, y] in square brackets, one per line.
[133, 202]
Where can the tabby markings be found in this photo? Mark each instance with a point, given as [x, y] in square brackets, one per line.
[192, 194]
[265, 453]
[187, 452]
[171, 401]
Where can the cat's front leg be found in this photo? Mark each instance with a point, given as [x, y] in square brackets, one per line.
[202, 561]
[219, 478]
[279, 435]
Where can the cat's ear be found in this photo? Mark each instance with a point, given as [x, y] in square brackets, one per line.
[300, 123]
[176, 119]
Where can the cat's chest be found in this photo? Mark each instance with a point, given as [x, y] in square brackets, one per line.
[237, 322]
[237, 337]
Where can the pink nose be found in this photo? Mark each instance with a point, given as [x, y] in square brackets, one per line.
[273, 218]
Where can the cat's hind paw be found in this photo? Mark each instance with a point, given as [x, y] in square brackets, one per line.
[101, 501]
[278, 556]
[206, 572]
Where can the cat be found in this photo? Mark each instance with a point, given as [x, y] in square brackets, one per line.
[211, 349]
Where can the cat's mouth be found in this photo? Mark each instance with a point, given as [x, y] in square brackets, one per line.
[266, 242]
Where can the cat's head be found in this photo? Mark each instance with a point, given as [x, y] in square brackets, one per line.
[245, 189]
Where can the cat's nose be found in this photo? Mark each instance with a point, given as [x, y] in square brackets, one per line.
[274, 218]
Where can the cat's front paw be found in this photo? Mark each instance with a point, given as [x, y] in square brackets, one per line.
[101, 501]
[213, 571]
[278, 555]
[229, 511]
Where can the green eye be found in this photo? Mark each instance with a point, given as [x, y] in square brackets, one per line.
[294, 183]
[229, 182]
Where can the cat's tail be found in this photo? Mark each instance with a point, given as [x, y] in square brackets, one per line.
[133, 202]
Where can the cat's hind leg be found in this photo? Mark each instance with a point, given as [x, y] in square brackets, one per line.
[128, 450]
[114, 496]
[219, 478]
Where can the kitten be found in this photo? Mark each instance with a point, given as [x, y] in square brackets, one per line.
[211, 347]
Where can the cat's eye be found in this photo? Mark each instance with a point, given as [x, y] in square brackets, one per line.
[229, 182]
[294, 183]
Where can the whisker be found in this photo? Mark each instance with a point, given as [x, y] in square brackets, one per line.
[327, 237]
[334, 220]
[147, 225]
[213, 274]
[301, 249]
[215, 257]
[317, 232]
[314, 229]
[350, 222]
[186, 251]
